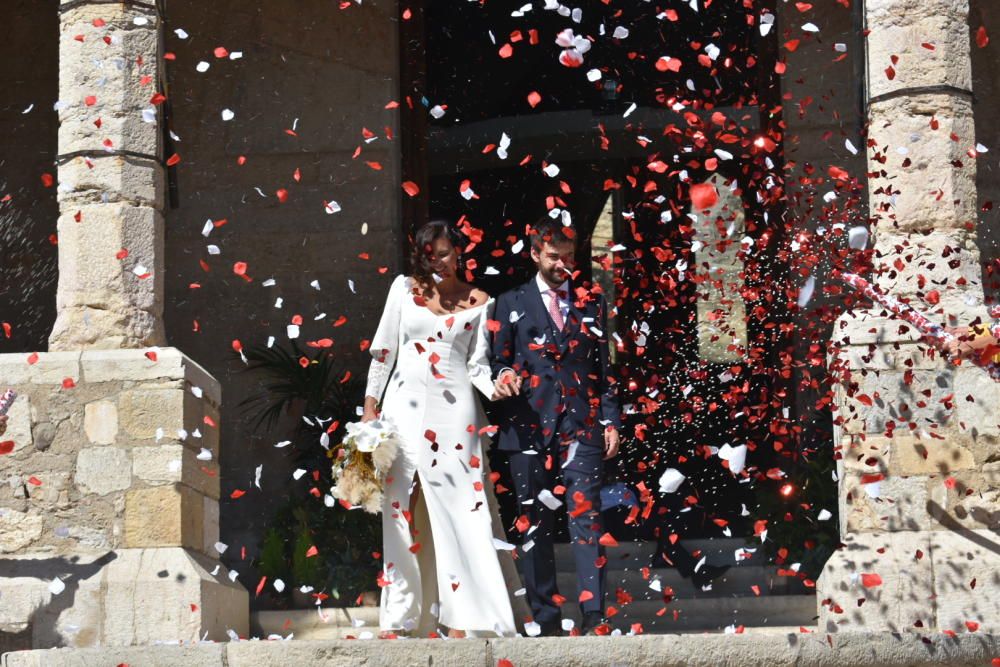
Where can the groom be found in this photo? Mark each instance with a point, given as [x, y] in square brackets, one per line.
[558, 423]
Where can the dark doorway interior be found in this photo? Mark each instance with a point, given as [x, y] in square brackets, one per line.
[28, 208]
[478, 74]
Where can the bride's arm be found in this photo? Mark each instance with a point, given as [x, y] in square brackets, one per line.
[478, 362]
[383, 347]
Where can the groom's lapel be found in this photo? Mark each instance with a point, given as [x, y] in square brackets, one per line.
[574, 318]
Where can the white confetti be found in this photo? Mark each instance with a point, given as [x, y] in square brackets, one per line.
[806, 292]
[549, 500]
[671, 480]
[736, 456]
[857, 237]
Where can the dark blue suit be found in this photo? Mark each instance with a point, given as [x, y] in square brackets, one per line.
[567, 394]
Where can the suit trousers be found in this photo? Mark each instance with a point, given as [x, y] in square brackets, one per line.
[583, 479]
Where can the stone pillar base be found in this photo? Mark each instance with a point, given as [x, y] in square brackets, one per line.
[931, 581]
[109, 495]
[120, 598]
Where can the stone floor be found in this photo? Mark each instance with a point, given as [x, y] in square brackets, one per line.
[750, 649]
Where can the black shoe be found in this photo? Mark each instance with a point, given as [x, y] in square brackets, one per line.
[551, 629]
[591, 619]
[706, 574]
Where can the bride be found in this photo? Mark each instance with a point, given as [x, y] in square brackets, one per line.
[440, 563]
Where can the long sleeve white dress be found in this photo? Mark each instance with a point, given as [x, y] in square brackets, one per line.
[449, 571]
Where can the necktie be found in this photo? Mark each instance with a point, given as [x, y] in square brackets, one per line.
[554, 310]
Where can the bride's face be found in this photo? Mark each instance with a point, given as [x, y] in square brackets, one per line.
[444, 258]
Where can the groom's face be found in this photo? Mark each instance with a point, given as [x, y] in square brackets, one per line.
[555, 261]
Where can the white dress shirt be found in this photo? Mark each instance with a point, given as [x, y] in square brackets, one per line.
[544, 288]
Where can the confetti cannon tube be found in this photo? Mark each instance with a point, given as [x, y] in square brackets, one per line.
[933, 332]
[7, 400]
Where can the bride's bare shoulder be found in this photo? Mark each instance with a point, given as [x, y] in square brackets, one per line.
[477, 296]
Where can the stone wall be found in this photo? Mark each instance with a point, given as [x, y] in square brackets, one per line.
[114, 465]
[325, 73]
[101, 432]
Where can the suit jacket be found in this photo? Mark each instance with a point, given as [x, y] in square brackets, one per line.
[564, 374]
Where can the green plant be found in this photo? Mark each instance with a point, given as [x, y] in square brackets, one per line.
[291, 377]
[307, 570]
[793, 505]
[273, 561]
[311, 388]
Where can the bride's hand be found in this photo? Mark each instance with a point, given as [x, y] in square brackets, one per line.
[506, 385]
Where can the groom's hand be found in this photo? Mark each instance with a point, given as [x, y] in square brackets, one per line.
[507, 384]
[610, 442]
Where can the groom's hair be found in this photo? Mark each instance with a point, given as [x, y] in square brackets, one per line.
[548, 230]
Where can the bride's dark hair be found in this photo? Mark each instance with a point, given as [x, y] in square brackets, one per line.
[423, 248]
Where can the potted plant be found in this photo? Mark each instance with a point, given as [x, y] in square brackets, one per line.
[315, 391]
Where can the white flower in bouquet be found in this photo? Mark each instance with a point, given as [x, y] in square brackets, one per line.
[369, 449]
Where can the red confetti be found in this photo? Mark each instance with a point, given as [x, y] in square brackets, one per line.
[703, 196]
[871, 580]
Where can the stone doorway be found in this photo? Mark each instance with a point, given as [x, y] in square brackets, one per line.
[501, 134]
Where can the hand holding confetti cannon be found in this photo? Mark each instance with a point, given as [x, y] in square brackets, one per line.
[948, 341]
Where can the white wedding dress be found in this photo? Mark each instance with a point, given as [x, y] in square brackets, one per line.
[449, 573]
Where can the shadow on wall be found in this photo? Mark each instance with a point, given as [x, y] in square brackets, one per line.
[42, 627]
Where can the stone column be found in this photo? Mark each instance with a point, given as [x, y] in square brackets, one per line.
[917, 437]
[109, 514]
[111, 178]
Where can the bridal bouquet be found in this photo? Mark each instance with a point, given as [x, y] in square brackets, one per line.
[364, 457]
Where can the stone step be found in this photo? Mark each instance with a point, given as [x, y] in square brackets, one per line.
[318, 623]
[752, 648]
[735, 582]
[710, 614]
[704, 614]
[627, 555]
